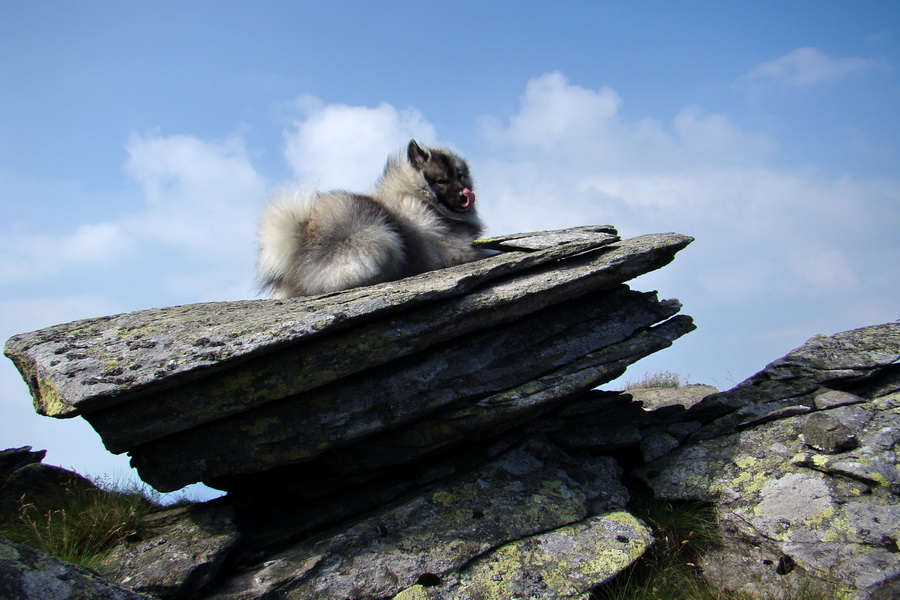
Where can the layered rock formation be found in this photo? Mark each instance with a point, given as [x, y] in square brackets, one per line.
[439, 437]
[801, 462]
[327, 392]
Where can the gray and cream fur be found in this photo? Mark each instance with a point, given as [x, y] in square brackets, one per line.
[420, 217]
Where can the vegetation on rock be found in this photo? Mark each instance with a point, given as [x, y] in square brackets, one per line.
[671, 569]
[657, 379]
[92, 521]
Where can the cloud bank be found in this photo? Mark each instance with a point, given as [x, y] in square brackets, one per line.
[803, 68]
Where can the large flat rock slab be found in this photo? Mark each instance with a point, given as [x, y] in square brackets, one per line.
[343, 387]
[78, 367]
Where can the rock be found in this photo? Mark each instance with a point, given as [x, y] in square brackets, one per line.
[834, 398]
[45, 487]
[436, 437]
[805, 488]
[430, 402]
[805, 498]
[15, 458]
[834, 431]
[360, 383]
[175, 552]
[565, 563]
[429, 536]
[823, 362]
[26, 574]
[685, 395]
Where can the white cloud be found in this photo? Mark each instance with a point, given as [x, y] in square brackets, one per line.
[803, 68]
[339, 146]
[572, 126]
[30, 256]
[555, 115]
[203, 196]
[198, 196]
[94, 244]
[768, 239]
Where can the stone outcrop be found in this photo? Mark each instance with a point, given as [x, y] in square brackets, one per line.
[804, 481]
[174, 553]
[28, 574]
[440, 437]
[25, 479]
[331, 391]
[801, 463]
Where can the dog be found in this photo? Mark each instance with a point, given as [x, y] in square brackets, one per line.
[420, 217]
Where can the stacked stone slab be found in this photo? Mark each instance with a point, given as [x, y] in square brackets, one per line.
[801, 463]
[328, 392]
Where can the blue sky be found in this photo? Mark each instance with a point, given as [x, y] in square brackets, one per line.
[139, 141]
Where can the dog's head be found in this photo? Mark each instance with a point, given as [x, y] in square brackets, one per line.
[448, 179]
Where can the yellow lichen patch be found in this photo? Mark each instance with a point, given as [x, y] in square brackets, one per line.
[746, 462]
[817, 519]
[820, 460]
[569, 561]
[879, 478]
[50, 402]
[416, 592]
[742, 478]
[443, 498]
[749, 483]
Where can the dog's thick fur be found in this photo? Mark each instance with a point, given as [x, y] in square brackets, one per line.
[420, 217]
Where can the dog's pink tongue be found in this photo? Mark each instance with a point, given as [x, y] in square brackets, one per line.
[470, 197]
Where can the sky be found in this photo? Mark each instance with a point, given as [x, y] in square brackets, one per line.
[140, 140]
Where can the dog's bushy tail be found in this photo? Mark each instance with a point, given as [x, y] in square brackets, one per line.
[312, 243]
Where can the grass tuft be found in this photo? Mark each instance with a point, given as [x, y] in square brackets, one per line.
[659, 379]
[93, 520]
[669, 570]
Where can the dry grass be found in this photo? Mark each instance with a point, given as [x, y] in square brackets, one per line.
[92, 521]
[669, 570]
[659, 379]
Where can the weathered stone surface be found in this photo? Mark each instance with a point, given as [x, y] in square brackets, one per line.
[804, 496]
[26, 574]
[565, 563]
[426, 403]
[217, 392]
[824, 361]
[433, 533]
[95, 363]
[685, 395]
[175, 553]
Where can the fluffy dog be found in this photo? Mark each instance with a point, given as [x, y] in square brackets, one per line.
[420, 217]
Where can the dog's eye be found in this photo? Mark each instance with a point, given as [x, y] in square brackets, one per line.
[441, 181]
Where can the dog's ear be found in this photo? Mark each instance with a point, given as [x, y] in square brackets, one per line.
[417, 155]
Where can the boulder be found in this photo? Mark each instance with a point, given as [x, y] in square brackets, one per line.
[533, 503]
[435, 437]
[567, 562]
[804, 486]
[175, 552]
[27, 574]
[329, 392]
[25, 480]
[800, 461]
